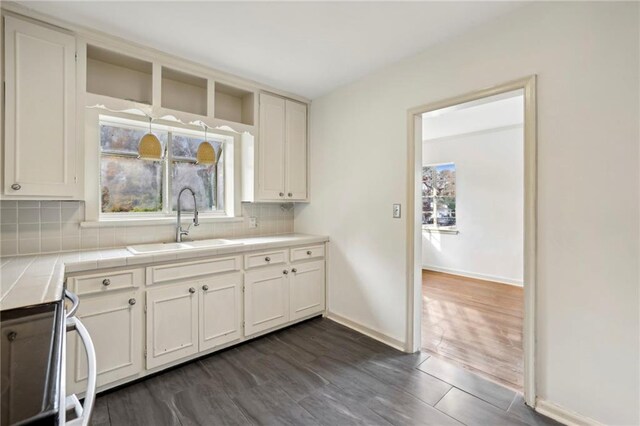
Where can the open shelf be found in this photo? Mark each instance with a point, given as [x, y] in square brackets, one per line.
[184, 92]
[233, 104]
[118, 76]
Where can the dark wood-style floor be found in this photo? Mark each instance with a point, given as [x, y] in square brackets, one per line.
[475, 324]
[314, 373]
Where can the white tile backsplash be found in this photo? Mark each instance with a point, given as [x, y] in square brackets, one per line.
[30, 227]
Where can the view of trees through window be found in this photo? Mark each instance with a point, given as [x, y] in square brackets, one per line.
[131, 184]
[439, 195]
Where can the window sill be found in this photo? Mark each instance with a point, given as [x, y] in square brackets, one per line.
[441, 231]
[153, 221]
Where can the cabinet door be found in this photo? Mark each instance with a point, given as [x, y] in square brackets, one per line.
[172, 323]
[40, 142]
[296, 150]
[266, 299]
[307, 289]
[220, 310]
[271, 169]
[114, 322]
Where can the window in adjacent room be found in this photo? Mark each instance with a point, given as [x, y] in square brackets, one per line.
[131, 186]
[439, 196]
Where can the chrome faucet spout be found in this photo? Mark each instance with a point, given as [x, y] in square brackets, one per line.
[179, 231]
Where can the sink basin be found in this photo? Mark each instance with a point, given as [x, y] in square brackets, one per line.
[212, 243]
[187, 245]
[156, 248]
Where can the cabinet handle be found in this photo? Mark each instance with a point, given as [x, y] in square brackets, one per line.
[267, 259]
[290, 194]
[192, 290]
[281, 194]
[285, 272]
[205, 287]
[132, 301]
[106, 282]
[309, 253]
[16, 187]
[294, 270]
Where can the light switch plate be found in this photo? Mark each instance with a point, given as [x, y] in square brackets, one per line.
[396, 211]
[253, 222]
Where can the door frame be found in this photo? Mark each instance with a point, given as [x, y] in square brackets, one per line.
[414, 227]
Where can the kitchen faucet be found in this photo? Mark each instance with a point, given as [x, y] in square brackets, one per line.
[179, 231]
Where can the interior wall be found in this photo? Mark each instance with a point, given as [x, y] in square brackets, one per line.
[489, 206]
[586, 56]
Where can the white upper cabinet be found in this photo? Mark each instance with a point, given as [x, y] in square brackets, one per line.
[296, 150]
[279, 170]
[271, 160]
[40, 107]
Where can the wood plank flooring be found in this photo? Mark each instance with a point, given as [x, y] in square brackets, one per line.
[475, 324]
[314, 373]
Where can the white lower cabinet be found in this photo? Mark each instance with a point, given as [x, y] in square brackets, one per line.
[184, 319]
[220, 310]
[266, 298]
[114, 322]
[189, 308]
[172, 323]
[307, 289]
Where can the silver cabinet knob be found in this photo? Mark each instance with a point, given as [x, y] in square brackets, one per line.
[281, 194]
[205, 287]
[267, 259]
[132, 301]
[16, 187]
[294, 270]
[309, 253]
[285, 272]
[290, 194]
[106, 282]
[192, 290]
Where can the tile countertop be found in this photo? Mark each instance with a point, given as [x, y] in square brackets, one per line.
[30, 280]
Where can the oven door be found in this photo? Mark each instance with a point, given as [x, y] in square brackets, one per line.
[75, 413]
[31, 360]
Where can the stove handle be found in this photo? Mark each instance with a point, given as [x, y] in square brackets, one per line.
[75, 302]
[84, 411]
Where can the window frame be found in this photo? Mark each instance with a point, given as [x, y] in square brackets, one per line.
[231, 156]
[435, 228]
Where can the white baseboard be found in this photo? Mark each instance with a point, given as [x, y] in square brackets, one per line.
[484, 277]
[374, 334]
[563, 415]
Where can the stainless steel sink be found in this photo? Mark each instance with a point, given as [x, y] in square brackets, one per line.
[187, 245]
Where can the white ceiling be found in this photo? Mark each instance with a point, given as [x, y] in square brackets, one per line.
[307, 48]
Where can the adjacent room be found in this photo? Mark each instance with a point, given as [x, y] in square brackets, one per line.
[319, 213]
[473, 236]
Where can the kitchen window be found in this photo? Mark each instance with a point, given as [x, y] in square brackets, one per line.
[439, 197]
[134, 187]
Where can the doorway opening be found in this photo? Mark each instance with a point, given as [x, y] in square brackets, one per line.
[472, 236]
[472, 253]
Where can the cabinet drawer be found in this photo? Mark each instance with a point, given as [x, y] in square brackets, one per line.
[309, 252]
[104, 282]
[180, 271]
[265, 258]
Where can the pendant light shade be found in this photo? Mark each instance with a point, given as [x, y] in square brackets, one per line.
[149, 146]
[206, 154]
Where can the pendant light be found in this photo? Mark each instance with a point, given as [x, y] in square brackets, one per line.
[206, 154]
[149, 146]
